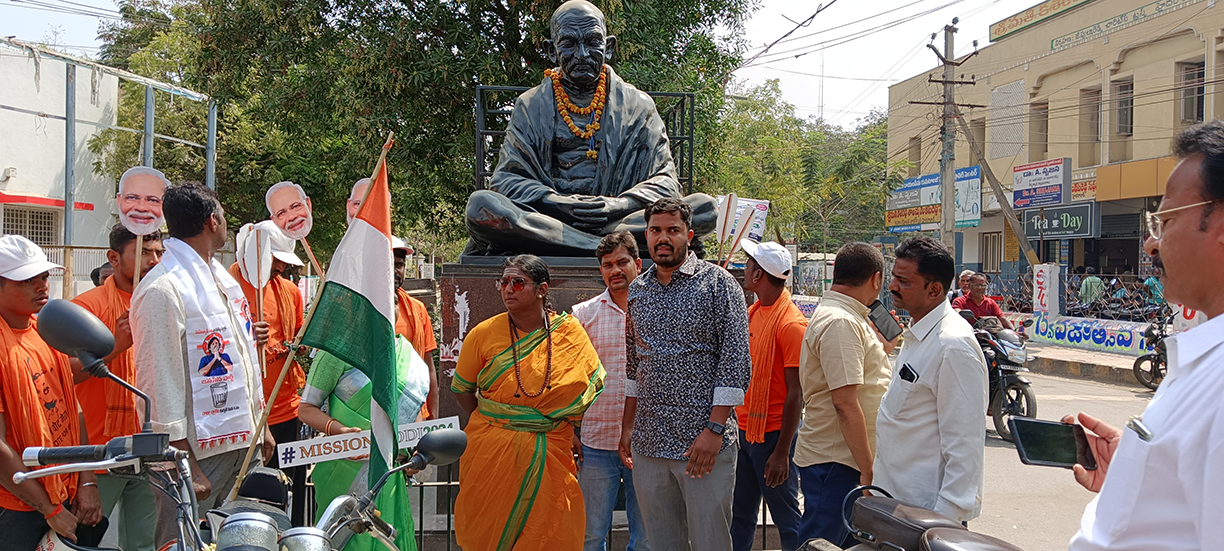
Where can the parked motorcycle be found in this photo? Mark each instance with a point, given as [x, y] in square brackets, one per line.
[1010, 392]
[883, 523]
[260, 527]
[1151, 368]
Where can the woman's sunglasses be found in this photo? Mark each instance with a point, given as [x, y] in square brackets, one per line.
[515, 284]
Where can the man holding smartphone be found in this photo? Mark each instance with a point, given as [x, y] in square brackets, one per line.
[932, 420]
[1160, 480]
[843, 366]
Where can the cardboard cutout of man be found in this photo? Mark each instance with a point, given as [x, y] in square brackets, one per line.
[290, 209]
[140, 199]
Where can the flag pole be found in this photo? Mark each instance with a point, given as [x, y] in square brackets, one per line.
[314, 261]
[257, 435]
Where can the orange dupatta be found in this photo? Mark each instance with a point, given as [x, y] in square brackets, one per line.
[762, 350]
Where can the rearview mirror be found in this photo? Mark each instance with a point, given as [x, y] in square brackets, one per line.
[442, 447]
[73, 330]
[1027, 323]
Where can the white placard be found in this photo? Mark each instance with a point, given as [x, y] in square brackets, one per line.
[344, 446]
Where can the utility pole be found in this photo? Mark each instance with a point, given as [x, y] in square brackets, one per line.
[947, 132]
[947, 164]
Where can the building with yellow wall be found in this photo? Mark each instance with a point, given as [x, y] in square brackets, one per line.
[1103, 83]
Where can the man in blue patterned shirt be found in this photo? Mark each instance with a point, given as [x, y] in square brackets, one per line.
[687, 365]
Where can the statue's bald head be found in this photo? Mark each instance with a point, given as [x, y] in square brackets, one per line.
[580, 44]
[581, 9]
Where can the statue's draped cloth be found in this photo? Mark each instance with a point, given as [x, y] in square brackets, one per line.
[634, 157]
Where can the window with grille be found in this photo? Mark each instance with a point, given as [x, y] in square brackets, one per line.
[36, 225]
[1124, 94]
[1192, 91]
[992, 252]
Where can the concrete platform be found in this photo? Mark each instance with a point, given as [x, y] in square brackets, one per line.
[1073, 363]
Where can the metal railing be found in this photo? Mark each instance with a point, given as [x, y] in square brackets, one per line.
[1112, 297]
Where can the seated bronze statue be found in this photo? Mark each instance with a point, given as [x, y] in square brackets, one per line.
[584, 153]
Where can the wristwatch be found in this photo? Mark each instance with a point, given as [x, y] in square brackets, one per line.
[716, 428]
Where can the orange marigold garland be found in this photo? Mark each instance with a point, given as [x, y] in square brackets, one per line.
[565, 107]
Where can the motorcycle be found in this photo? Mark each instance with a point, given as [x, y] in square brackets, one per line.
[882, 523]
[74, 331]
[1010, 393]
[1151, 368]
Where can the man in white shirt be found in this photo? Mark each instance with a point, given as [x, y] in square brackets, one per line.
[194, 348]
[931, 428]
[1171, 460]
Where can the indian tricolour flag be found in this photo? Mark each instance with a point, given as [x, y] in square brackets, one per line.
[355, 316]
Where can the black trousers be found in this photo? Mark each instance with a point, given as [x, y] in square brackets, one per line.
[290, 431]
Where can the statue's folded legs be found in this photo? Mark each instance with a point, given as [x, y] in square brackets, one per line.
[498, 226]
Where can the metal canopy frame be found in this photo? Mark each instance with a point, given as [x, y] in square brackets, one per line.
[70, 121]
[677, 109]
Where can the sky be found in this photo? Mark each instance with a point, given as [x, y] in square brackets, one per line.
[892, 35]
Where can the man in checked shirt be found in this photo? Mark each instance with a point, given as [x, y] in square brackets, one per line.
[687, 365]
[600, 467]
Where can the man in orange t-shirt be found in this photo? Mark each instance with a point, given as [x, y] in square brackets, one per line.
[109, 409]
[773, 403]
[37, 408]
[282, 310]
[412, 321]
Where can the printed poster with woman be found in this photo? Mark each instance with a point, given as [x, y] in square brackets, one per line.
[218, 385]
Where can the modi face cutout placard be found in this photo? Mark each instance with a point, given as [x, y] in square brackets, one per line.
[140, 199]
[290, 210]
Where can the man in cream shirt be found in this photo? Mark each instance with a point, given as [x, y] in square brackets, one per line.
[931, 428]
[844, 369]
[1160, 480]
[192, 336]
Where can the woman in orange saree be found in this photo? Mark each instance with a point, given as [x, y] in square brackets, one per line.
[525, 378]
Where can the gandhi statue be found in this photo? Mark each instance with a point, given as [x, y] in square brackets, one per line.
[584, 153]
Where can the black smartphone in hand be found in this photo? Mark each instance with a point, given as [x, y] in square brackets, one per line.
[1051, 444]
[884, 321]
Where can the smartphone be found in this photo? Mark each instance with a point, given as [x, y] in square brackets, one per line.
[884, 321]
[1051, 444]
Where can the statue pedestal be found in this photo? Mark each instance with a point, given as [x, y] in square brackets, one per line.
[469, 297]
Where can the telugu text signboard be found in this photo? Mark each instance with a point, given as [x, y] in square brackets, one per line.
[1118, 22]
[969, 197]
[1066, 222]
[918, 204]
[1041, 184]
[1032, 16]
[1083, 190]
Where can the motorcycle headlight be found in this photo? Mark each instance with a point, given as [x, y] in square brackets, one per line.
[1017, 355]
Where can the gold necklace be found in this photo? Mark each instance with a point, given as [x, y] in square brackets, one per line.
[518, 376]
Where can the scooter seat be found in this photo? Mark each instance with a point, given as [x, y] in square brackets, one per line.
[887, 520]
[944, 539]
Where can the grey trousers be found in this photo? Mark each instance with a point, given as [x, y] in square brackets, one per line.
[684, 513]
[222, 471]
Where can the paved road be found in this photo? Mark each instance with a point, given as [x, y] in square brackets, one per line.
[1039, 508]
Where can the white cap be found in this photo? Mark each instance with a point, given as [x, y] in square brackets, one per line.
[282, 245]
[21, 259]
[398, 244]
[770, 256]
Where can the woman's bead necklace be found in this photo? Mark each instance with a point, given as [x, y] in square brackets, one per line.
[518, 375]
